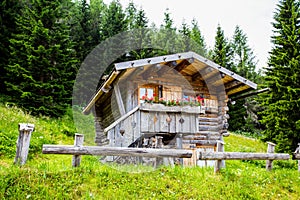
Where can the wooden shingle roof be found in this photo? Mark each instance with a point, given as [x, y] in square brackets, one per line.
[188, 63]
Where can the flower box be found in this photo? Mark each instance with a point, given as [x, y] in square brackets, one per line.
[157, 107]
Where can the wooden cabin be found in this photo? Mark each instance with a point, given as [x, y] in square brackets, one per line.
[171, 101]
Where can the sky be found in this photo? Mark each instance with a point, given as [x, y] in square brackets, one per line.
[253, 16]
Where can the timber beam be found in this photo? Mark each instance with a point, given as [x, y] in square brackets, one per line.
[116, 151]
[242, 156]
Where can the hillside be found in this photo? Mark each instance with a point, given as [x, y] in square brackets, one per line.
[52, 177]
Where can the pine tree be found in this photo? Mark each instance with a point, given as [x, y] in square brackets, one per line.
[185, 38]
[244, 59]
[131, 13]
[139, 37]
[114, 20]
[9, 11]
[166, 39]
[242, 116]
[222, 53]
[42, 64]
[196, 36]
[281, 115]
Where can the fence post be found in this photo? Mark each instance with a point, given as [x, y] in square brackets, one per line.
[298, 152]
[78, 142]
[219, 163]
[23, 142]
[271, 149]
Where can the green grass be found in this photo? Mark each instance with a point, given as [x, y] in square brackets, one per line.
[52, 177]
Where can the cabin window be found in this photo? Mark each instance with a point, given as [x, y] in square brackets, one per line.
[147, 92]
[156, 92]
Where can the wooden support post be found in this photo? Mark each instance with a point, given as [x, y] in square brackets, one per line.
[271, 149]
[23, 142]
[78, 142]
[179, 146]
[159, 145]
[218, 163]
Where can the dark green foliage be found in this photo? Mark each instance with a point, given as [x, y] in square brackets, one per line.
[282, 104]
[9, 11]
[244, 59]
[85, 26]
[196, 36]
[114, 20]
[42, 68]
[222, 53]
[236, 56]
[244, 112]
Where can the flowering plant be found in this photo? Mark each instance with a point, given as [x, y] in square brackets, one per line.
[187, 100]
[148, 99]
[191, 101]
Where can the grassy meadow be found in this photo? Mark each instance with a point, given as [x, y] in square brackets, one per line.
[52, 176]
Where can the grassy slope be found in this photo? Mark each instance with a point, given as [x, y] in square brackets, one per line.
[52, 177]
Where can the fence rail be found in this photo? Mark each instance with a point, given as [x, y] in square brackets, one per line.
[242, 156]
[116, 151]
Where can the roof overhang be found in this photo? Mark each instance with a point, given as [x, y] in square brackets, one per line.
[234, 83]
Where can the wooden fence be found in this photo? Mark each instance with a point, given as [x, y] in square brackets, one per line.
[23, 142]
[78, 149]
[296, 156]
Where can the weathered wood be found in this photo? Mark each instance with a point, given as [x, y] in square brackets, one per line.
[201, 142]
[210, 119]
[78, 142]
[210, 128]
[121, 119]
[100, 91]
[218, 163]
[119, 99]
[271, 149]
[296, 156]
[179, 146]
[211, 133]
[242, 156]
[23, 143]
[174, 109]
[115, 151]
[208, 123]
[251, 94]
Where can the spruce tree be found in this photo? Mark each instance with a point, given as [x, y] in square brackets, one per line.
[244, 59]
[9, 11]
[197, 37]
[185, 32]
[222, 53]
[114, 20]
[281, 115]
[165, 39]
[42, 68]
[241, 60]
[139, 37]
